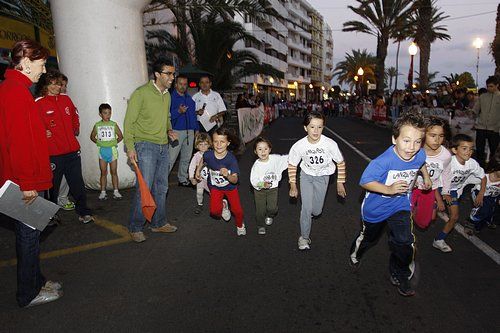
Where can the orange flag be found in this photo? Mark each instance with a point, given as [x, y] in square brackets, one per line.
[148, 204]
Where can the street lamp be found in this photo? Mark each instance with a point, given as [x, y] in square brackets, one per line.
[478, 43]
[412, 50]
[361, 72]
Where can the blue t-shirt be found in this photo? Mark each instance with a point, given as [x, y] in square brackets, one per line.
[215, 179]
[387, 169]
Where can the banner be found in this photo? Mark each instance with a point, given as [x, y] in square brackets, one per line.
[251, 122]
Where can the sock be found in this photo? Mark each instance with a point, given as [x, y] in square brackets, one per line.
[441, 235]
[103, 192]
[115, 191]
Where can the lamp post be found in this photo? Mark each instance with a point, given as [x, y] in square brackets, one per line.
[478, 43]
[412, 50]
[361, 72]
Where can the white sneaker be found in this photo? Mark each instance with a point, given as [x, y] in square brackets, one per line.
[103, 196]
[261, 231]
[45, 296]
[117, 195]
[86, 219]
[269, 220]
[241, 231]
[441, 245]
[304, 243]
[226, 213]
[443, 216]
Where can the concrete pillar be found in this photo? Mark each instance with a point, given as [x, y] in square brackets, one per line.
[100, 46]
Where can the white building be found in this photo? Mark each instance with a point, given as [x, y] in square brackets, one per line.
[327, 56]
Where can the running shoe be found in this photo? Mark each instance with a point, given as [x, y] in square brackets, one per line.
[269, 220]
[304, 243]
[226, 213]
[261, 231]
[440, 244]
[241, 231]
[103, 196]
[68, 206]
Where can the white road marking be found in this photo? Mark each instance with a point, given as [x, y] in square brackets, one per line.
[482, 246]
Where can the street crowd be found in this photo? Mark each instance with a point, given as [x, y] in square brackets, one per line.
[421, 173]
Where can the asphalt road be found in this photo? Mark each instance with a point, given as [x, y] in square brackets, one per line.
[205, 279]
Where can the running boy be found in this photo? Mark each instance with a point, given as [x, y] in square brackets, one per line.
[265, 177]
[223, 175]
[438, 164]
[388, 181]
[106, 134]
[202, 143]
[484, 215]
[316, 155]
[464, 170]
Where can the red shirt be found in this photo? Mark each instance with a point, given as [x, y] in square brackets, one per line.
[60, 117]
[24, 156]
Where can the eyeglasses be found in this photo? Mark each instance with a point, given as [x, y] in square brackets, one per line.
[168, 73]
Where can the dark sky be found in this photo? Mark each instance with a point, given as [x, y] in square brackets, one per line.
[455, 56]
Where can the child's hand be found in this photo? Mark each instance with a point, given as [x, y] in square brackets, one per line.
[294, 192]
[427, 183]
[479, 199]
[398, 187]
[224, 172]
[440, 205]
[341, 190]
[49, 133]
[193, 181]
[267, 185]
[197, 176]
[448, 199]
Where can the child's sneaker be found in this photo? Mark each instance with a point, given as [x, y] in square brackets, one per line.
[70, 205]
[198, 209]
[491, 225]
[241, 231]
[269, 220]
[304, 243]
[470, 228]
[117, 195]
[261, 231]
[405, 289]
[443, 216]
[103, 196]
[226, 213]
[440, 244]
[86, 219]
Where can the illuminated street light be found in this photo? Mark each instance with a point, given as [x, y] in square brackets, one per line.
[310, 85]
[361, 72]
[478, 43]
[412, 50]
[271, 80]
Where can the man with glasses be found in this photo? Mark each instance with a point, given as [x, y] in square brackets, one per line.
[147, 131]
[487, 110]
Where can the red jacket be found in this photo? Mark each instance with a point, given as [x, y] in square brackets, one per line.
[60, 117]
[24, 156]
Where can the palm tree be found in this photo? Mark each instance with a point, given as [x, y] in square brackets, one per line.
[347, 69]
[495, 45]
[391, 72]
[383, 17]
[431, 77]
[212, 41]
[427, 29]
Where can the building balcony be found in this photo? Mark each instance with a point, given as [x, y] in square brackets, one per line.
[269, 59]
[274, 23]
[299, 30]
[299, 78]
[278, 6]
[298, 62]
[275, 44]
[298, 12]
[294, 44]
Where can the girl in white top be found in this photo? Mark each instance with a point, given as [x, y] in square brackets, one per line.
[202, 144]
[316, 155]
[438, 164]
[265, 177]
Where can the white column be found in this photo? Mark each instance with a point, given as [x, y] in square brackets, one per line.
[100, 46]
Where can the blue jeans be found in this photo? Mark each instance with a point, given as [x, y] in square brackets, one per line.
[29, 276]
[153, 162]
[185, 148]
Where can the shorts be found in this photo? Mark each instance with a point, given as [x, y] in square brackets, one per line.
[108, 154]
[454, 198]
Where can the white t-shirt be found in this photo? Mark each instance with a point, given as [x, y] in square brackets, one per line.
[317, 159]
[269, 171]
[213, 101]
[461, 175]
[438, 167]
[492, 188]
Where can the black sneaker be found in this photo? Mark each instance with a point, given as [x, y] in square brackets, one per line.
[394, 280]
[491, 225]
[198, 209]
[405, 288]
[354, 265]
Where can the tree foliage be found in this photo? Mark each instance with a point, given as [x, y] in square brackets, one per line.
[347, 69]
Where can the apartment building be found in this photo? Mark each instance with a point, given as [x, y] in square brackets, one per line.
[317, 63]
[327, 66]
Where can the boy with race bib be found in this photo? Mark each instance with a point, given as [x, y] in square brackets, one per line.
[316, 155]
[106, 134]
[223, 174]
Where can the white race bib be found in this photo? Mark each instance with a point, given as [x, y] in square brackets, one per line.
[216, 179]
[106, 133]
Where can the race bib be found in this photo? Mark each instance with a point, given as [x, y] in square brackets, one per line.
[216, 179]
[409, 176]
[204, 173]
[106, 133]
[271, 178]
